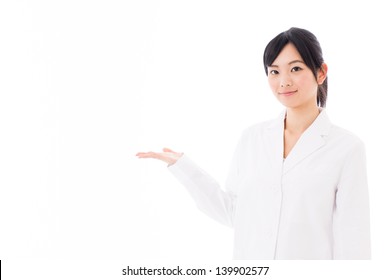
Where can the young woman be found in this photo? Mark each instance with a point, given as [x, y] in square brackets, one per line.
[297, 188]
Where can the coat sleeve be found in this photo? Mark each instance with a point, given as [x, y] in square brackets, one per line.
[351, 221]
[209, 197]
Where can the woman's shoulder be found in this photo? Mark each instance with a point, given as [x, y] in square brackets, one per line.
[256, 131]
[343, 137]
[259, 127]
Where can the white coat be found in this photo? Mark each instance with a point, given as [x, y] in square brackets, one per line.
[312, 205]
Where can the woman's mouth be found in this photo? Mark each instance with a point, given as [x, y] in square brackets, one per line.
[287, 93]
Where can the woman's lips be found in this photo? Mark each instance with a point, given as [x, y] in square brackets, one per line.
[287, 93]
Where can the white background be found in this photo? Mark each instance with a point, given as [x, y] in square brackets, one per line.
[85, 85]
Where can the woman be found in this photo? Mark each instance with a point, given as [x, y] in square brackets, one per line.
[297, 188]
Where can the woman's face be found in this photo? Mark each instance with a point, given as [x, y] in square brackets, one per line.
[291, 81]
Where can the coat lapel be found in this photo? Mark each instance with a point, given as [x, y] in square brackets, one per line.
[310, 141]
[273, 141]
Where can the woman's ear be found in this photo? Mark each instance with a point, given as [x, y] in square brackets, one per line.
[321, 73]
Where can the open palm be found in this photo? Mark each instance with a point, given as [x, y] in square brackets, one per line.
[167, 156]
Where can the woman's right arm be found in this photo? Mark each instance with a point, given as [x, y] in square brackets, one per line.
[207, 193]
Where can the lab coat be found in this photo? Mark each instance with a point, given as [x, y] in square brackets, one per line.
[312, 205]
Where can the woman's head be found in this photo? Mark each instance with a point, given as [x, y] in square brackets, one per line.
[309, 50]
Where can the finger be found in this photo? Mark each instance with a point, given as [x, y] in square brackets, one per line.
[159, 156]
[147, 155]
[141, 154]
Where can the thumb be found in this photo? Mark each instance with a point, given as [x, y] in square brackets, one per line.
[168, 150]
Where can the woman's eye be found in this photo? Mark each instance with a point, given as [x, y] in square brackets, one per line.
[273, 72]
[296, 68]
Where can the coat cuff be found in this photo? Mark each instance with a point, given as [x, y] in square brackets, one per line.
[182, 167]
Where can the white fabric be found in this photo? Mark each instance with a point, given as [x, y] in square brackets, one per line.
[312, 205]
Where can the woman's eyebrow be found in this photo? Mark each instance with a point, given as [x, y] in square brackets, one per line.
[295, 61]
[291, 62]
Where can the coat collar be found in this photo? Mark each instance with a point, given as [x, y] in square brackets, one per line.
[313, 138]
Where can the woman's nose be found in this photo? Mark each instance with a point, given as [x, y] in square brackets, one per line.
[285, 82]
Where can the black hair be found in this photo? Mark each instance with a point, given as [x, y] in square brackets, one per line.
[308, 47]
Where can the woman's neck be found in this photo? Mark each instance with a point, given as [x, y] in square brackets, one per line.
[298, 120]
